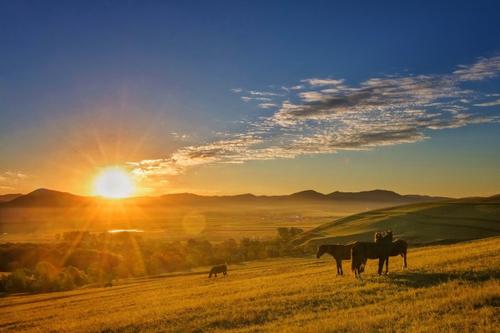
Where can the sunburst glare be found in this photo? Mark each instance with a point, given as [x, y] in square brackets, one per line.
[114, 183]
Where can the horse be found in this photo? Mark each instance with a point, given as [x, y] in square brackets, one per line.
[362, 251]
[339, 252]
[399, 247]
[218, 269]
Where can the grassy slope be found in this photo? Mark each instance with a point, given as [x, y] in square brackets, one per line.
[417, 223]
[447, 288]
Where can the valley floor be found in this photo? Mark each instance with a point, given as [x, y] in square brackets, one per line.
[446, 288]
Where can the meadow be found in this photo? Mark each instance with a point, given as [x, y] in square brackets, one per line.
[446, 288]
[214, 222]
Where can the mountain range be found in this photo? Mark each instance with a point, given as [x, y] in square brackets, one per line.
[51, 198]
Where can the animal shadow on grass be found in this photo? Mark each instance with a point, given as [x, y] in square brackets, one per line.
[422, 279]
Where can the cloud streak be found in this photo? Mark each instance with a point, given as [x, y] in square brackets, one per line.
[320, 116]
[492, 103]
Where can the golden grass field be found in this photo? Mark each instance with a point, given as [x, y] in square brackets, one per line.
[446, 288]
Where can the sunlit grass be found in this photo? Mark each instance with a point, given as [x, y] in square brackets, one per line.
[447, 288]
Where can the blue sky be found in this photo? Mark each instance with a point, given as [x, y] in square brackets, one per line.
[198, 96]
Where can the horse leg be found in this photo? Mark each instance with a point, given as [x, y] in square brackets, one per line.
[338, 266]
[405, 265]
[341, 270]
[380, 265]
[387, 266]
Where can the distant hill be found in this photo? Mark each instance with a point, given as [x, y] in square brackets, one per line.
[431, 222]
[9, 197]
[381, 195]
[51, 198]
[46, 198]
[308, 195]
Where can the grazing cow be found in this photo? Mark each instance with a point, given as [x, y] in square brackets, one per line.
[218, 269]
[362, 251]
[339, 252]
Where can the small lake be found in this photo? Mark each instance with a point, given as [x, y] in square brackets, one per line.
[115, 231]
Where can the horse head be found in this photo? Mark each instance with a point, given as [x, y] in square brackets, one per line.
[385, 236]
[321, 250]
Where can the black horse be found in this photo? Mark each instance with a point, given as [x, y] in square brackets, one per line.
[362, 251]
[399, 247]
[218, 269]
[339, 252]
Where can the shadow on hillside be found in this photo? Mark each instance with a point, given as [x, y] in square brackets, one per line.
[429, 279]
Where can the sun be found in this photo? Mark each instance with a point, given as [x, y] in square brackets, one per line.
[114, 183]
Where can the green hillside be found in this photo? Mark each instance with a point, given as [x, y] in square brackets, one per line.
[422, 223]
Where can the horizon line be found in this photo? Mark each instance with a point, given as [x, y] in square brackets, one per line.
[243, 193]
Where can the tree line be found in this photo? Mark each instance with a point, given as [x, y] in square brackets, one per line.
[79, 257]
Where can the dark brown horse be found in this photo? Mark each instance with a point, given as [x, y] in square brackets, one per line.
[218, 269]
[399, 247]
[362, 251]
[338, 252]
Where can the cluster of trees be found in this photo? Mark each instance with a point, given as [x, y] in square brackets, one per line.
[80, 258]
[44, 277]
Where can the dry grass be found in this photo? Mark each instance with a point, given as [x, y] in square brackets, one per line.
[447, 288]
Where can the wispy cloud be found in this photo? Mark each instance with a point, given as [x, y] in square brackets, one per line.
[256, 96]
[330, 116]
[323, 82]
[492, 103]
[262, 93]
[261, 99]
[267, 105]
[373, 95]
[484, 68]
[228, 151]
[181, 136]
[296, 87]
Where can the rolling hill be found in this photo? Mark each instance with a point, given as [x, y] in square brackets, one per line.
[421, 223]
